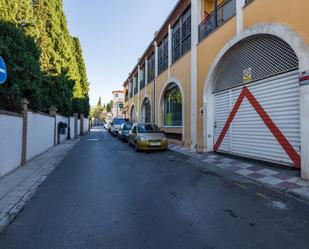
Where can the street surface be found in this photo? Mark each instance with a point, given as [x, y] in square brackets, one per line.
[105, 195]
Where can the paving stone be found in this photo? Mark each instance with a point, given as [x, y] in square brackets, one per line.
[244, 172]
[255, 168]
[227, 160]
[282, 176]
[288, 185]
[209, 160]
[245, 165]
[213, 156]
[267, 172]
[292, 179]
[223, 165]
[233, 168]
[303, 183]
[256, 175]
[270, 180]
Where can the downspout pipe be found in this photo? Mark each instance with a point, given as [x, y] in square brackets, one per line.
[154, 82]
[215, 14]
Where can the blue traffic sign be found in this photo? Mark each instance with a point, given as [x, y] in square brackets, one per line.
[3, 71]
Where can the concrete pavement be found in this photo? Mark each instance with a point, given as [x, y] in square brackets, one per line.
[18, 187]
[105, 195]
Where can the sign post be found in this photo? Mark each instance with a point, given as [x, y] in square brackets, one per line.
[3, 71]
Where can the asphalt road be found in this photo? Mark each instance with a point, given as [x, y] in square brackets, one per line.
[105, 195]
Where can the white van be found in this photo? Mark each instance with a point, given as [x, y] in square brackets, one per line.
[116, 123]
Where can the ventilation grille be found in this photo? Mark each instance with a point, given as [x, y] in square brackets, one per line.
[266, 55]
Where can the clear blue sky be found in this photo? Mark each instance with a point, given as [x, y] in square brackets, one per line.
[114, 34]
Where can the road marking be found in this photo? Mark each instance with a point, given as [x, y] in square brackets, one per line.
[239, 185]
[262, 196]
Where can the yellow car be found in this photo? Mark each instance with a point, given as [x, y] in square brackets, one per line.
[147, 137]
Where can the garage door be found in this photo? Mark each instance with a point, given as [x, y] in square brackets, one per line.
[260, 120]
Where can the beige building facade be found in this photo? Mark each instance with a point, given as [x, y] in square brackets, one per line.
[229, 76]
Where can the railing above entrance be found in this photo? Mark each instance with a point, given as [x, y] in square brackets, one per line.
[225, 11]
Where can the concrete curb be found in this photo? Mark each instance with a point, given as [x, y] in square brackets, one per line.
[295, 194]
[30, 189]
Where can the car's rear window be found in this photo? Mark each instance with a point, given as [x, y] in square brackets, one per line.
[148, 128]
[127, 127]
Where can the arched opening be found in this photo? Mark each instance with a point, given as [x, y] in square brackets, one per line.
[146, 111]
[252, 103]
[126, 95]
[172, 106]
[133, 114]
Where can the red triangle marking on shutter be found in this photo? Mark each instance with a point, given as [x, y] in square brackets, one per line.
[288, 148]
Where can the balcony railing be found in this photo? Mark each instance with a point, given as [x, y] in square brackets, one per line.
[225, 11]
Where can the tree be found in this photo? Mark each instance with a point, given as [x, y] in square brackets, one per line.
[81, 88]
[45, 63]
[19, 50]
[109, 106]
[97, 112]
[99, 102]
[57, 58]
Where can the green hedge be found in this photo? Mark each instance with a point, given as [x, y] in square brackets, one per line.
[45, 64]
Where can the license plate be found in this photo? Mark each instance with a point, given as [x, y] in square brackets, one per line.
[155, 144]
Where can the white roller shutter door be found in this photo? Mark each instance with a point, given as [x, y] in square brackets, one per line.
[248, 134]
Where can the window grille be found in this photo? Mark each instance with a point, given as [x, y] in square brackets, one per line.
[266, 55]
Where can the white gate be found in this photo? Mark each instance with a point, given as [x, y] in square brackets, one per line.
[260, 120]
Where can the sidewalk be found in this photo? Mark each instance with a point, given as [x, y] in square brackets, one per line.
[18, 187]
[285, 181]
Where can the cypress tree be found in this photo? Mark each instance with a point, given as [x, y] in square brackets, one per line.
[59, 59]
[81, 88]
[19, 50]
[45, 63]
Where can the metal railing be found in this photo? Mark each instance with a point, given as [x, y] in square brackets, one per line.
[225, 11]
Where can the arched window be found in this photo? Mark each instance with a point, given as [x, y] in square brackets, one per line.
[146, 111]
[172, 106]
[132, 114]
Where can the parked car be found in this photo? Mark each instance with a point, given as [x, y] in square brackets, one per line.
[147, 137]
[106, 125]
[123, 132]
[109, 125]
[115, 125]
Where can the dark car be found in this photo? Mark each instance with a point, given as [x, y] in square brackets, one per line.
[123, 132]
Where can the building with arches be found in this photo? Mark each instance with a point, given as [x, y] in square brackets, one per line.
[230, 76]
